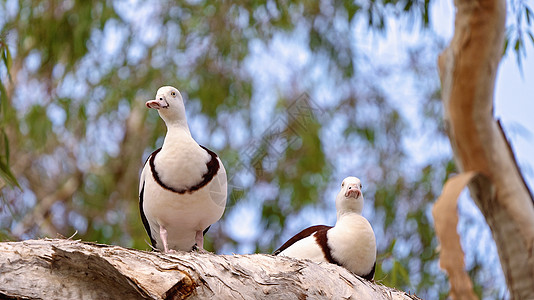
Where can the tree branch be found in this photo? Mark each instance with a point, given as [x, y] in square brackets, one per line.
[66, 269]
[468, 69]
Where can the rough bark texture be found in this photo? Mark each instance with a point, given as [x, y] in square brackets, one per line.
[468, 69]
[66, 269]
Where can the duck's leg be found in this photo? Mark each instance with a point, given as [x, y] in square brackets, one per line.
[199, 238]
[163, 236]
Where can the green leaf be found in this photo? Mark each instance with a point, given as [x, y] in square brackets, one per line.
[531, 36]
[3, 103]
[399, 275]
[517, 45]
[39, 126]
[7, 175]
[6, 57]
[528, 13]
[6, 146]
[352, 8]
[5, 171]
[506, 42]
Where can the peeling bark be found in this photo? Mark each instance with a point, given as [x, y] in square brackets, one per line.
[468, 68]
[66, 269]
[451, 256]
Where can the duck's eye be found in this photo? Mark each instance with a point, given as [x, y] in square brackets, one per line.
[342, 184]
[173, 94]
[361, 186]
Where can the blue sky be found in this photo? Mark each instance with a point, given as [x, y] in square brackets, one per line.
[514, 105]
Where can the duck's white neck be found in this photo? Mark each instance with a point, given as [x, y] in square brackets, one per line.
[177, 133]
[348, 205]
[347, 215]
[177, 126]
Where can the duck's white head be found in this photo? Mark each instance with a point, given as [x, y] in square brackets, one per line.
[350, 197]
[170, 106]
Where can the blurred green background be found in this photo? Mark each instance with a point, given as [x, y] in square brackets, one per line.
[294, 96]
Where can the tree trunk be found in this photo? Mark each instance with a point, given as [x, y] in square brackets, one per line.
[66, 269]
[468, 69]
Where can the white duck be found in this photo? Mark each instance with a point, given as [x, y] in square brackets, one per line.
[183, 188]
[350, 243]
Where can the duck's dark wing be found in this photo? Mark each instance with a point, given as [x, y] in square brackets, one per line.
[299, 236]
[141, 198]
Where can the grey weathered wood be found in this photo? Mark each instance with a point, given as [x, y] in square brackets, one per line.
[67, 269]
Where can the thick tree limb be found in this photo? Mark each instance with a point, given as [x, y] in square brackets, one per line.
[66, 269]
[468, 68]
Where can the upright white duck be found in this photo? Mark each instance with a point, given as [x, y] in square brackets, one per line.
[183, 186]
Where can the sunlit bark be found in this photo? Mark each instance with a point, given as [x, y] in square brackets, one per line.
[66, 269]
[468, 70]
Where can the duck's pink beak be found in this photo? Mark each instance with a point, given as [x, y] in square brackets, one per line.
[353, 190]
[158, 103]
